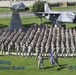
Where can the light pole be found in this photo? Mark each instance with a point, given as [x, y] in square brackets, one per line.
[10, 2]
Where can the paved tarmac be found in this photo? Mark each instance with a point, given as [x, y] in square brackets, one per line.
[9, 14]
[22, 14]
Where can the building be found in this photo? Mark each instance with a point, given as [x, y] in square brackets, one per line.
[7, 3]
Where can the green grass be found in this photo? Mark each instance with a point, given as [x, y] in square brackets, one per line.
[31, 68]
[5, 9]
[27, 21]
[63, 8]
[70, 25]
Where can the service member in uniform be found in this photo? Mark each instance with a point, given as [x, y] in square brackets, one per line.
[55, 57]
[40, 61]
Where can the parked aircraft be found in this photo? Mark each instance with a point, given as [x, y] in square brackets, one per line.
[56, 16]
[19, 7]
[15, 22]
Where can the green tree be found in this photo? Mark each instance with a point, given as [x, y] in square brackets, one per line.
[38, 6]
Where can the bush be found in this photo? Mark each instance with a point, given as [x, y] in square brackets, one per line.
[70, 3]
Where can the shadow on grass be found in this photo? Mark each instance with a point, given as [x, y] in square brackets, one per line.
[28, 25]
[1, 55]
[58, 69]
[47, 23]
[3, 26]
[62, 67]
[24, 25]
[73, 27]
[48, 67]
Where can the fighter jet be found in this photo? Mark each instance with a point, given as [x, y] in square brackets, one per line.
[19, 7]
[56, 16]
[15, 22]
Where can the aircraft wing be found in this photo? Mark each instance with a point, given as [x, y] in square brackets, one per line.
[19, 7]
[53, 15]
[47, 13]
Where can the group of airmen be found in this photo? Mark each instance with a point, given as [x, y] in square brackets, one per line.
[38, 39]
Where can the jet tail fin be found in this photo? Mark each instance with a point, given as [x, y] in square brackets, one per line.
[47, 8]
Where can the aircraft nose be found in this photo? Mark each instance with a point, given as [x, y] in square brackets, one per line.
[74, 20]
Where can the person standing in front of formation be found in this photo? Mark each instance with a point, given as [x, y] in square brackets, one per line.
[55, 57]
[40, 61]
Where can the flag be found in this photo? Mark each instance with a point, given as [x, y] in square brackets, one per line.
[51, 58]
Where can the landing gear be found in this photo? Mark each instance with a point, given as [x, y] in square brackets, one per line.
[56, 23]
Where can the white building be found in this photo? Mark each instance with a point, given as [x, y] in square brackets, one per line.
[7, 3]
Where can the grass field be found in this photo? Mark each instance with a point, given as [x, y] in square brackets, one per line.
[30, 64]
[63, 8]
[27, 21]
[2, 10]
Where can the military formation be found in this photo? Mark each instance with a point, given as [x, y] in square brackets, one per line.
[38, 39]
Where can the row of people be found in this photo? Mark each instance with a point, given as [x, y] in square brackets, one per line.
[39, 39]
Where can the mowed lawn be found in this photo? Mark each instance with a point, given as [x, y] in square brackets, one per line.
[29, 20]
[6, 9]
[31, 68]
